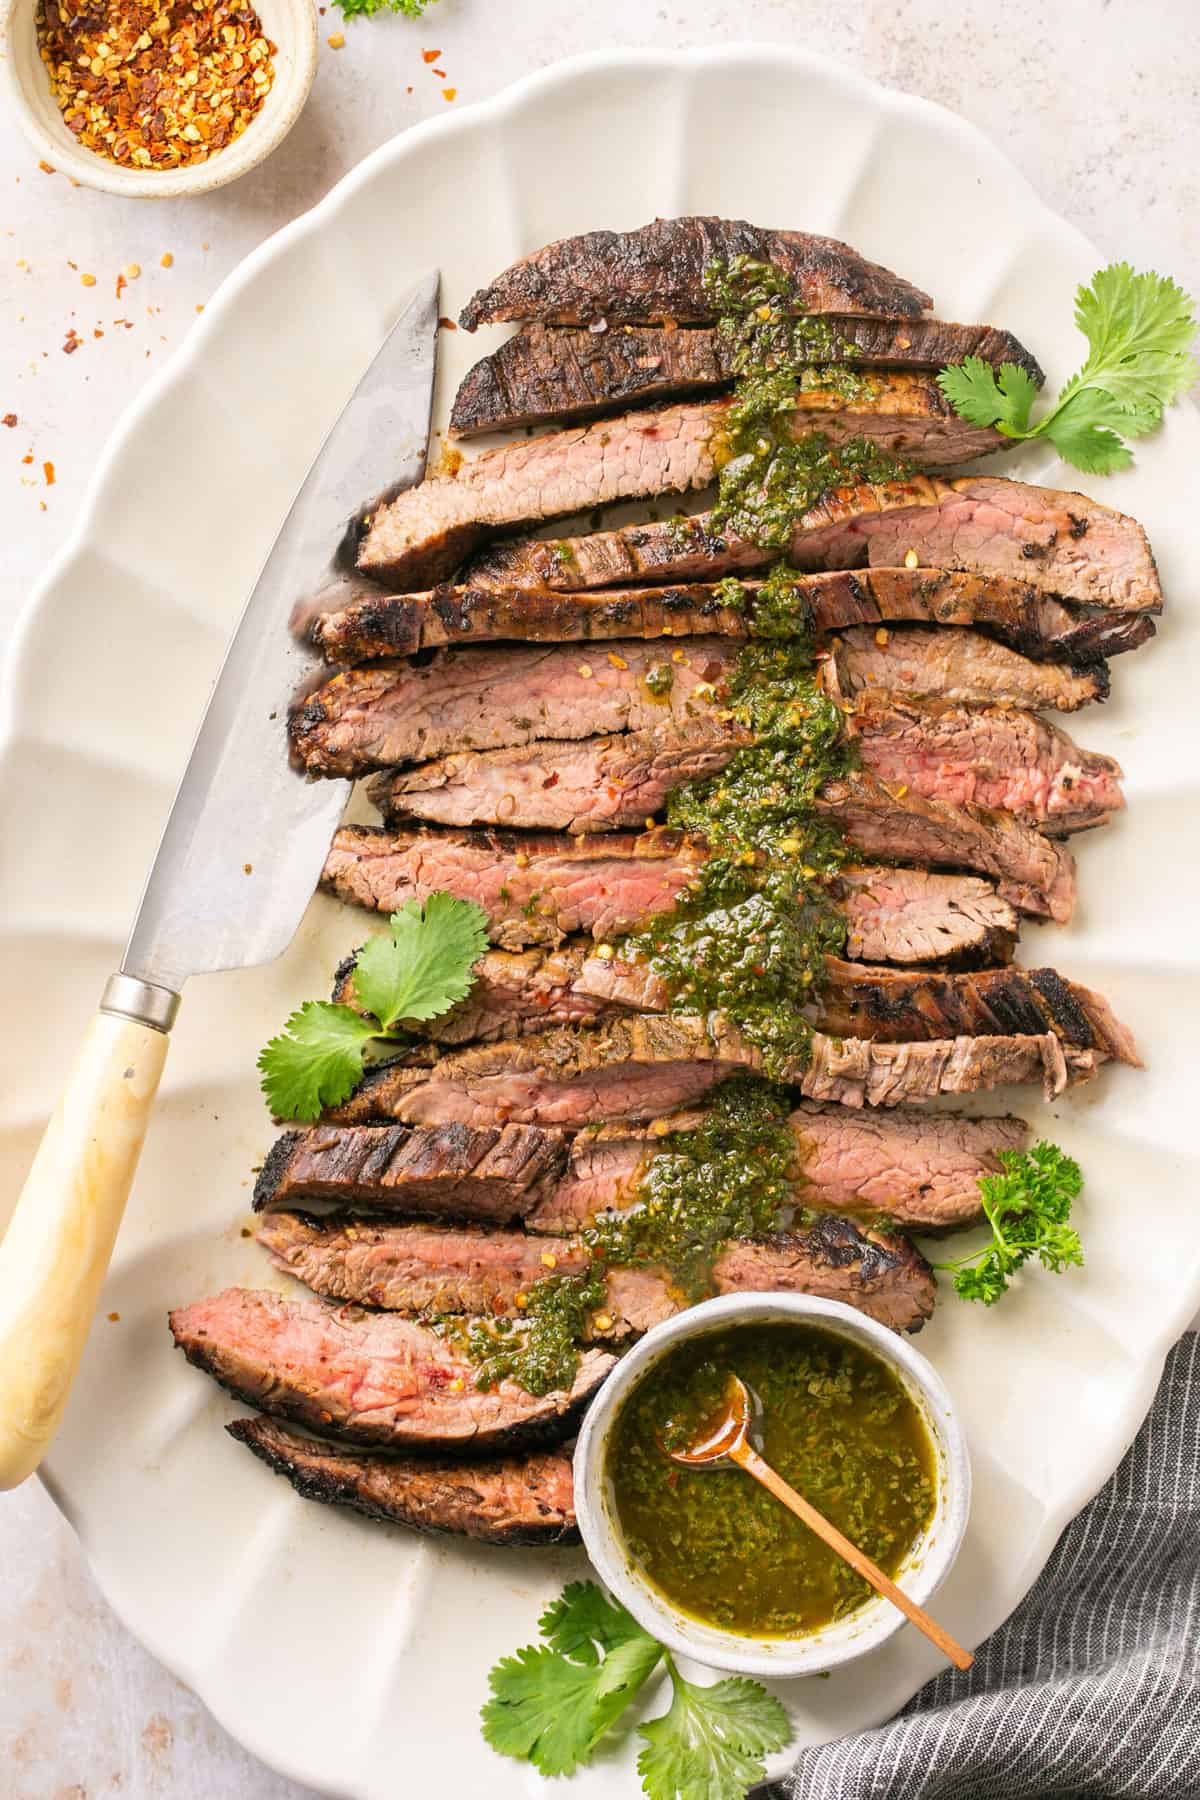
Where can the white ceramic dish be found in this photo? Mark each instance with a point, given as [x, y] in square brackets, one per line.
[844, 1640]
[351, 1656]
[290, 24]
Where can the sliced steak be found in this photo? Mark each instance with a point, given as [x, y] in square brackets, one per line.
[998, 757]
[443, 1270]
[831, 600]
[1034, 873]
[495, 1173]
[368, 1378]
[399, 624]
[857, 1000]
[656, 274]
[955, 665]
[534, 889]
[390, 713]
[915, 916]
[507, 1500]
[554, 372]
[423, 534]
[647, 1065]
[1056, 543]
[598, 784]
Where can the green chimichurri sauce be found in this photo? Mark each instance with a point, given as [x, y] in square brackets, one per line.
[749, 939]
[837, 1424]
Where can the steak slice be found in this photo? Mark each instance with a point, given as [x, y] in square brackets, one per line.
[831, 600]
[534, 889]
[389, 713]
[954, 665]
[547, 372]
[646, 1065]
[368, 1378]
[1033, 872]
[495, 1174]
[656, 274]
[895, 1006]
[449, 1271]
[916, 916]
[507, 1500]
[1056, 543]
[917, 1167]
[998, 757]
[426, 531]
[997, 760]
[597, 784]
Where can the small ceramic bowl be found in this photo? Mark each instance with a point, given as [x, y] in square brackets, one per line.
[290, 24]
[921, 1573]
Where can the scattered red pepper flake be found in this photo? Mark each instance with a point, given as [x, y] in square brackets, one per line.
[72, 342]
[449, 93]
[9, 419]
[121, 285]
[48, 472]
[114, 1318]
[47, 168]
[440, 73]
[447, 324]
[430, 56]
[27, 459]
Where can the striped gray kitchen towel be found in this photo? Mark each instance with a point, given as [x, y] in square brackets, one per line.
[1092, 1687]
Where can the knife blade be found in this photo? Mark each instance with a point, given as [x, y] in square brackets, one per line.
[247, 835]
[240, 856]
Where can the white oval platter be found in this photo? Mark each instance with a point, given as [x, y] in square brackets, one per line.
[348, 1655]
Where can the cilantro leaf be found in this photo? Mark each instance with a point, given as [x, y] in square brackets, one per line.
[710, 1744]
[316, 1061]
[551, 1711]
[1140, 328]
[583, 1617]
[424, 966]
[1028, 1207]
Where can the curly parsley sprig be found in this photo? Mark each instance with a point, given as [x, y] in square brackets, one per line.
[1028, 1206]
[417, 971]
[1140, 329]
[552, 1703]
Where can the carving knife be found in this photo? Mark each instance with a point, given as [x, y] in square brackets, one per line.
[239, 860]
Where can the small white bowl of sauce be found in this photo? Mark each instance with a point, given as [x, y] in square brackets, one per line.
[708, 1562]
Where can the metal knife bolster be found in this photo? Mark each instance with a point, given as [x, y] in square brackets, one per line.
[128, 997]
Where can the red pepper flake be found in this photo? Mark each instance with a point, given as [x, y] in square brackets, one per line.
[48, 472]
[121, 286]
[408, 90]
[444, 323]
[9, 419]
[430, 56]
[47, 168]
[449, 93]
[72, 343]
[27, 459]
[440, 73]
[114, 1318]
[96, 331]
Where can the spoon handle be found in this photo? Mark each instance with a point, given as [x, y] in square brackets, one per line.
[749, 1459]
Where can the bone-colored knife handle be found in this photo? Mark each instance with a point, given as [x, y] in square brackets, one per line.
[55, 1253]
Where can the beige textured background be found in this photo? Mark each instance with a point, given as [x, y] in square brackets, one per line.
[1096, 100]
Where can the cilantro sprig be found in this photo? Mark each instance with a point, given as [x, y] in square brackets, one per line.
[411, 9]
[416, 971]
[1140, 329]
[552, 1702]
[1028, 1207]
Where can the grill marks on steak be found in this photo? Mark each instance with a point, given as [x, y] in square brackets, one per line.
[954, 665]
[1001, 758]
[1060, 544]
[494, 1173]
[1034, 873]
[507, 1500]
[444, 1270]
[656, 274]
[423, 534]
[367, 1378]
[534, 889]
[644, 1066]
[832, 600]
[389, 713]
[902, 1006]
[547, 372]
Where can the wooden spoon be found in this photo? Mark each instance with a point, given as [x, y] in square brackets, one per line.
[725, 1438]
